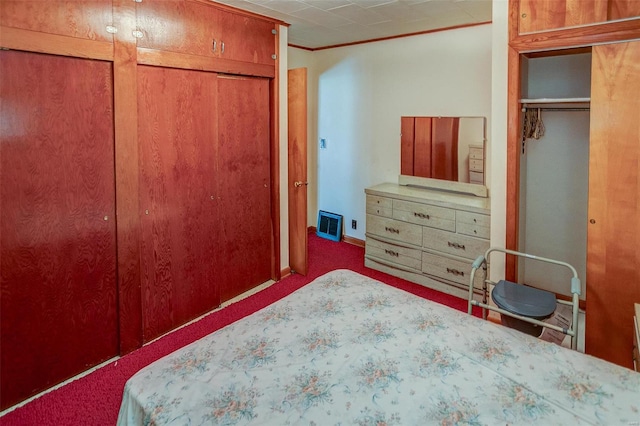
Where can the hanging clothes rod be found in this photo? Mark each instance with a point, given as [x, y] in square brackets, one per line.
[555, 104]
[524, 109]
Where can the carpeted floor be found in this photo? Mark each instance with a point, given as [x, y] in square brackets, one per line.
[95, 398]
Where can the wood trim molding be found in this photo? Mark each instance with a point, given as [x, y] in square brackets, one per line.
[126, 171]
[354, 241]
[586, 35]
[243, 12]
[373, 40]
[345, 238]
[34, 41]
[513, 161]
[284, 273]
[275, 164]
[168, 59]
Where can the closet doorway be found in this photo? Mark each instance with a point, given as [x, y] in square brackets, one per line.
[297, 166]
[611, 226]
[554, 168]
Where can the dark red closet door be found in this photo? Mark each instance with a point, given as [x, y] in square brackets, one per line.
[57, 221]
[177, 135]
[244, 182]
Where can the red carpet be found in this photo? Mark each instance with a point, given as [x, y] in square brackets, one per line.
[95, 398]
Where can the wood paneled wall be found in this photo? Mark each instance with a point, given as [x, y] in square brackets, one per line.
[104, 32]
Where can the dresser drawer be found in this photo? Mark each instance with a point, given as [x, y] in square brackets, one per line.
[394, 230]
[450, 269]
[473, 230]
[476, 153]
[379, 206]
[474, 224]
[409, 257]
[476, 177]
[456, 244]
[425, 214]
[476, 165]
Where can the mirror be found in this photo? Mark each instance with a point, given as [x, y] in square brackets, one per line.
[445, 148]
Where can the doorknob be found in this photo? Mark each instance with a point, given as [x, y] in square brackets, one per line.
[298, 183]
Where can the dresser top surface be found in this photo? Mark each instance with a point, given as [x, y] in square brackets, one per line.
[431, 196]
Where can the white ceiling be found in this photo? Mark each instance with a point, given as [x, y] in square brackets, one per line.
[322, 23]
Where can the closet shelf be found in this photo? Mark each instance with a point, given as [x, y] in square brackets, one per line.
[556, 103]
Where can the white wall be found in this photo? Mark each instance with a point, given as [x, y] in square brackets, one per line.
[497, 156]
[363, 90]
[283, 150]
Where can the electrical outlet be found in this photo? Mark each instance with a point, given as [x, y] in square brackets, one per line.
[354, 224]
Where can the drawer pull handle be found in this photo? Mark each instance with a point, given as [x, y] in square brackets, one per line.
[392, 253]
[456, 245]
[474, 221]
[392, 230]
[455, 272]
[421, 215]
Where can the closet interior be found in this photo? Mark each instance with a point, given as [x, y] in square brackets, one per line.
[554, 166]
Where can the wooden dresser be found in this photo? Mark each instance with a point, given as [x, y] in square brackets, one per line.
[426, 236]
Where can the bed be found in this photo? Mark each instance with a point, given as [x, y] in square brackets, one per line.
[347, 349]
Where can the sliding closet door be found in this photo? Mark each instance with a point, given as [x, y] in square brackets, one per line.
[244, 184]
[57, 222]
[177, 138]
[613, 254]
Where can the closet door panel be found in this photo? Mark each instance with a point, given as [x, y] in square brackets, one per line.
[178, 26]
[244, 184]
[58, 309]
[613, 275]
[177, 137]
[540, 15]
[246, 39]
[86, 19]
[621, 9]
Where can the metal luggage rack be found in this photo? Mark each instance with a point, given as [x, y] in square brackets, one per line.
[483, 261]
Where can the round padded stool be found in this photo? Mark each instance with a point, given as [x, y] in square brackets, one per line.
[524, 301]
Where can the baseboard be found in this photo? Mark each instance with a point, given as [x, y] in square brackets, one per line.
[347, 239]
[285, 272]
[352, 240]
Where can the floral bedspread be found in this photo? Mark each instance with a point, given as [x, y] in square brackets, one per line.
[349, 350]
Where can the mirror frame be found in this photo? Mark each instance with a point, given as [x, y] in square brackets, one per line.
[463, 187]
